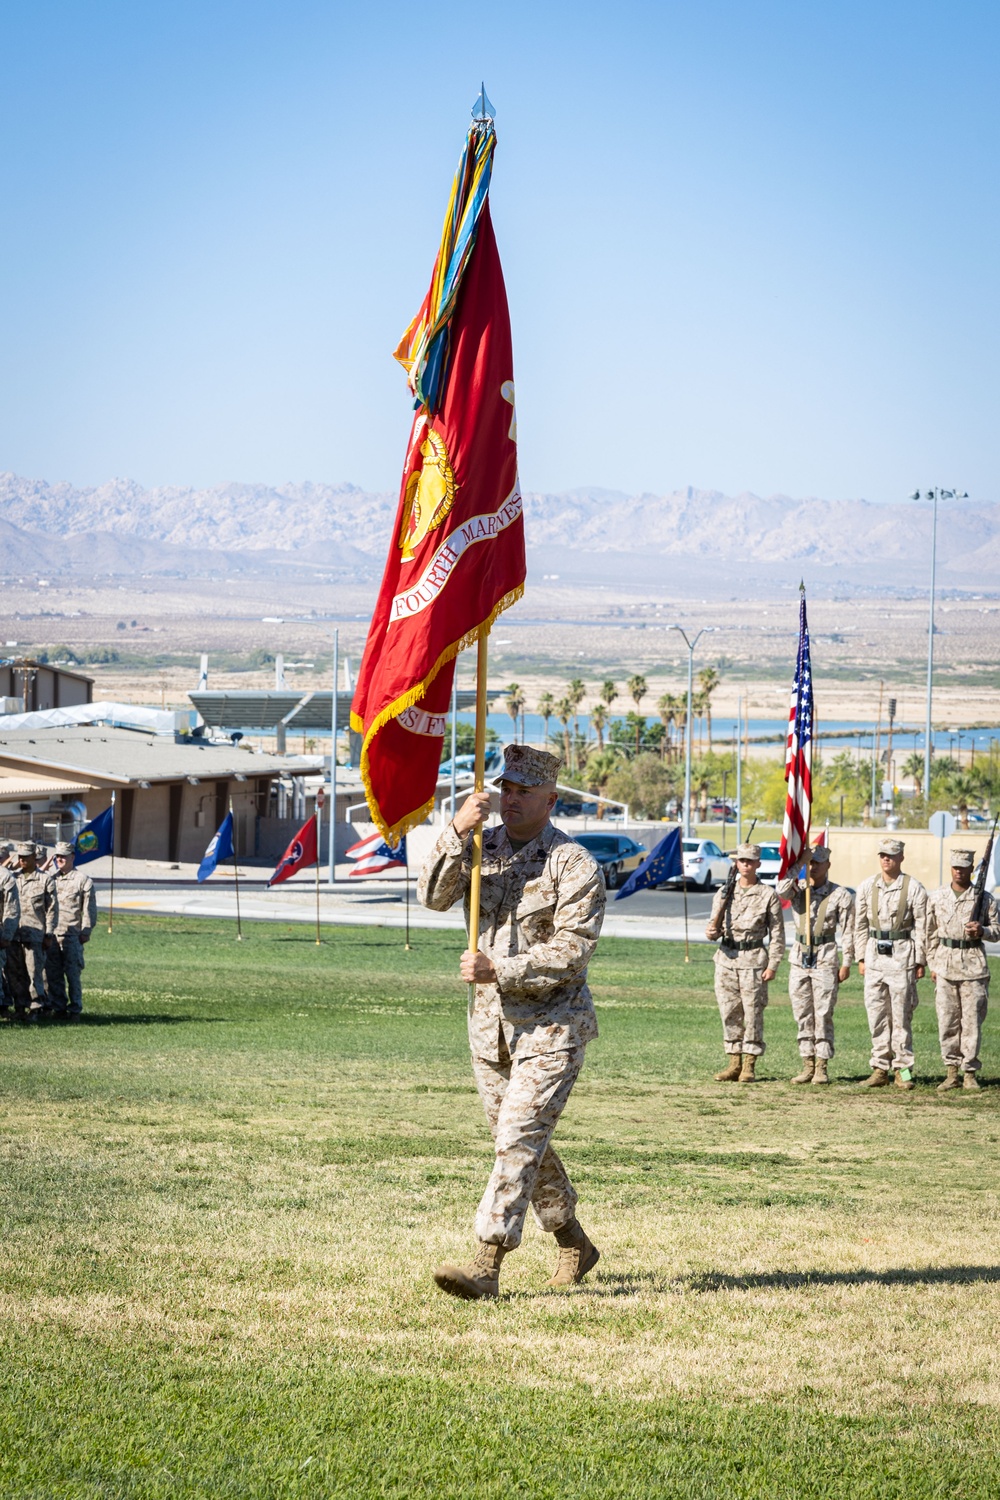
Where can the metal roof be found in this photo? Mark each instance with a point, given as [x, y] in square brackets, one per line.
[262, 712]
[121, 756]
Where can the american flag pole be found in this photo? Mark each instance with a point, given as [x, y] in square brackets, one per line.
[798, 754]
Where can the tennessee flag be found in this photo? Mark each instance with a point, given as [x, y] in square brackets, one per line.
[456, 554]
[300, 854]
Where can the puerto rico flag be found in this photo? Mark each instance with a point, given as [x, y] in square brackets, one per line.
[300, 854]
[374, 855]
[456, 553]
[798, 754]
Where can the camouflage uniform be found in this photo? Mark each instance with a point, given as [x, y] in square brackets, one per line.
[77, 906]
[540, 917]
[813, 990]
[890, 979]
[26, 956]
[961, 973]
[754, 914]
[10, 920]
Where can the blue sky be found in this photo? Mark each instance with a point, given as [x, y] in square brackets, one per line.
[746, 245]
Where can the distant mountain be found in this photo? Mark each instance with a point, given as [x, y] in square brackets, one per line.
[121, 527]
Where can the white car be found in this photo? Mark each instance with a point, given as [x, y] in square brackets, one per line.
[705, 864]
[770, 863]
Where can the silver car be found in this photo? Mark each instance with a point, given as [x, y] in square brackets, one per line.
[705, 864]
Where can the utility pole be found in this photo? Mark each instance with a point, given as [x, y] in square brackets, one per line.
[687, 727]
[934, 496]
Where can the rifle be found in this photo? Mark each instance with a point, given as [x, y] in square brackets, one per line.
[979, 902]
[724, 916]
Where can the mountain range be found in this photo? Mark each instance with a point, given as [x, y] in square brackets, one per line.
[703, 538]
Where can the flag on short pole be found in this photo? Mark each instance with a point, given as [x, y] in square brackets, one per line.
[96, 838]
[798, 753]
[300, 854]
[663, 863]
[221, 847]
[374, 855]
[456, 555]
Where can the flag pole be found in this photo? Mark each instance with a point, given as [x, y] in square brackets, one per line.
[111, 897]
[476, 873]
[406, 881]
[333, 762]
[236, 877]
[687, 951]
[318, 814]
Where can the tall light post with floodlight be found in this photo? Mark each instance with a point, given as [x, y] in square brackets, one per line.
[705, 630]
[934, 496]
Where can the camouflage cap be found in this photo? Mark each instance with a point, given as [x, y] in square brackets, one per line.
[820, 853]
[746, 851]
[893, 847]
[528, 766]
[962, 859]
[25, 850]
[66, 850]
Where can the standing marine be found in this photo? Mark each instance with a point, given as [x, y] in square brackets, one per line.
[746, 922]
[890, 926]
[815, 974]
[958, 966]
[35, 935]
[10, 921]
[76, 904]
[531, 1014]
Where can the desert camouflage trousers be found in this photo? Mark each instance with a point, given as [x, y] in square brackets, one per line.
[25, 975]
[813, 993]
[523, 1098]
[961, 1011]
[742, 996]
[63, 967]
[890, 1000]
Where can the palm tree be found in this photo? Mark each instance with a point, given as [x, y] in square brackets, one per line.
[666, 707]
[638, 688]
[546, 707]
[563, 711]
[708, 679]
[599, 717]
[913, 766]
[698, 708]
[576, 691]
[609, 691]
[515, 702]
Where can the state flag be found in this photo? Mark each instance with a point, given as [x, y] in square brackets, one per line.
[300, 854]
[373, 855]
[96, 838]
[221, 847]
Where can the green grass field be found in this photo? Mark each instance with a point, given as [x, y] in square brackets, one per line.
[223, 1194]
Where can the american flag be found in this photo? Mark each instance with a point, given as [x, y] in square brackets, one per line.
[374, 855]
[798, 754]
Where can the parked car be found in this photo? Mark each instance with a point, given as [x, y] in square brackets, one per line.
[704, 864]
[616, 854]
[573, 807]
[770, 863]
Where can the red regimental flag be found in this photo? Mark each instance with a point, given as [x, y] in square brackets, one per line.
[456, 557]
[300, 854]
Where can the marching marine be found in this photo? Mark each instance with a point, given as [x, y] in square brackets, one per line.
[814, 975]
[35, 935]
[531, 1014]
[10, 920]
[747, 924]
[890, 925]
[77, 916]
[959, 969]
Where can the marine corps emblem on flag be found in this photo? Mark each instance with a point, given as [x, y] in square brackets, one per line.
[456, 558]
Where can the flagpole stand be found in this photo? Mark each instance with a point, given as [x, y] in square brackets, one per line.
[687, 950]
[111, 894]
[476, 873]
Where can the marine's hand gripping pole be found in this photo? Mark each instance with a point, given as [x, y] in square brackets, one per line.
[476, 873]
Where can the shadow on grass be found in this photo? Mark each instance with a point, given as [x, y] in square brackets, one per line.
[149, 1020]
[713, 1281]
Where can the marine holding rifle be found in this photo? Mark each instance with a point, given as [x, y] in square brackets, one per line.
[890, 925]
[959, 917]
[821, 909]
[747, 924]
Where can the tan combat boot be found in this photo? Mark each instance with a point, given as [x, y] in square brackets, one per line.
[970, 1081]
[878, 1080]
[577, 1255]
[747, 1074]
[904, 1079]
[480, 1278]
[820, 1074]
[808, 1068]
[951, 1079]
[731, 1071]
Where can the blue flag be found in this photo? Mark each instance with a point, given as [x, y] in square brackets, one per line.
[96, 838]
[221, 847]
[664, 863]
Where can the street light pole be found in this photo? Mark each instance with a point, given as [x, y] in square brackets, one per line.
[690, 709]
[933, 495]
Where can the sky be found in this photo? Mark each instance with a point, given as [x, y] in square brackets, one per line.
[747, 246]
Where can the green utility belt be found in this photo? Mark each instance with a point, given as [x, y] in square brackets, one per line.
[890, 934]
[817, 942]
[744, 946]
[961, 942]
